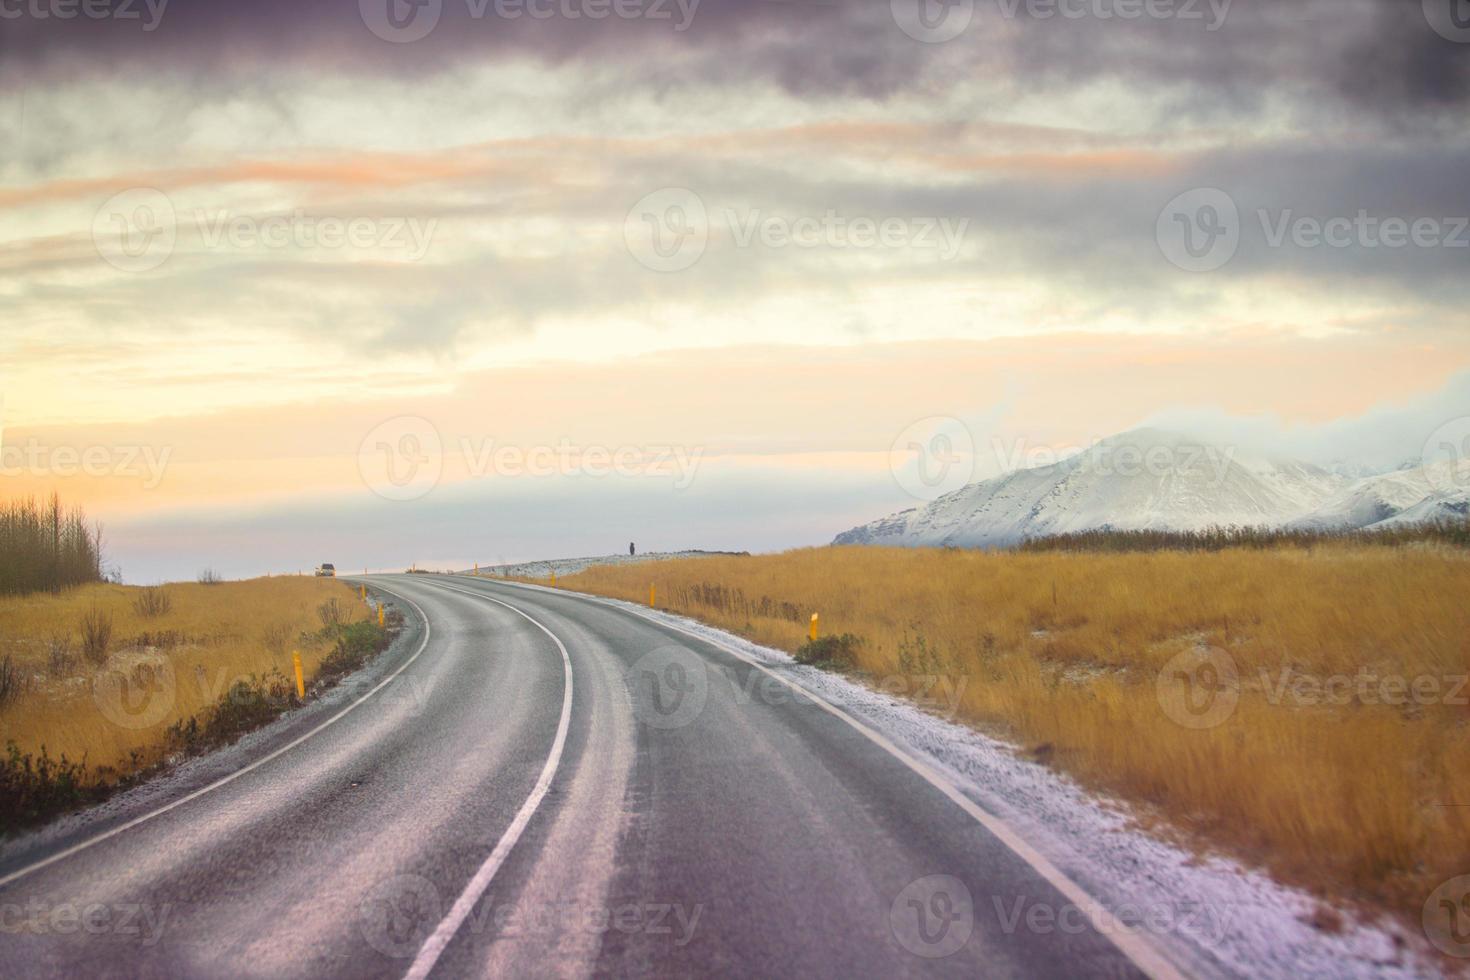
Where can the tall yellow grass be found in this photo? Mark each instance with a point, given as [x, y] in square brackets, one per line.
[1062, 654]
[174, 664]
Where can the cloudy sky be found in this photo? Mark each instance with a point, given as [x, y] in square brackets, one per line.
[451, 281]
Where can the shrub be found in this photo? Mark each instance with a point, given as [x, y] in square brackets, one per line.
[152, 602]
[13, 681]
[834, 652]
[96, 628]
[249, 704]
[355, 644]
[34, 788]
[331, 613]
[210, 577]
[61, 658]
[276, 637]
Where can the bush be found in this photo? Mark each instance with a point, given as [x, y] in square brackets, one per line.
[249, 704]
[96, 627]
[331, 613]
[356, 643]
[35, 788]
[832, 652]
[276, 637]
[210, 577]
[61, 659]
[152, 602]
[13, 681]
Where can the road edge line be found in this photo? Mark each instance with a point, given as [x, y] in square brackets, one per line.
[1142, 953]
[225, 780]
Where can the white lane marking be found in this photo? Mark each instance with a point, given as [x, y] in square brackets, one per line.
[1128, 941]
[435, 945]
[225, 780]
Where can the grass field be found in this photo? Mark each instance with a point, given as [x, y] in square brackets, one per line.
[101, 672]
[1303, 708]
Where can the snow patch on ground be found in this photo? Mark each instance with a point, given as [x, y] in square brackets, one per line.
[570, 566]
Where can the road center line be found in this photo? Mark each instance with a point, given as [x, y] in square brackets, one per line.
[435, 945]
[226, 780]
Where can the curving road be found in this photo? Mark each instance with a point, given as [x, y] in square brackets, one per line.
[534, 783]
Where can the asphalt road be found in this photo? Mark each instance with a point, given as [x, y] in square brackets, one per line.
[543, 785]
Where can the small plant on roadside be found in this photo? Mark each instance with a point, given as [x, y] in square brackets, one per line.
[332, 614]
[276, 638]
[61, 657]
[13, 681]
[210, 577]
[153, 602]
[96, 630]
[916, 656]
[33, 788]
[837, 652]
[356, 643]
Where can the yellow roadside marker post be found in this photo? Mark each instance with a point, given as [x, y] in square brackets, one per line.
[652, 596]
[380, 617]
[364, 593]
[300, 680]
[553, 580]
[813, 633]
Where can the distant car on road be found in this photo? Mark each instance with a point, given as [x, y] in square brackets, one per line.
[326, 570]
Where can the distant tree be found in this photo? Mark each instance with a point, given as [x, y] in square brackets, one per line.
[631, 550]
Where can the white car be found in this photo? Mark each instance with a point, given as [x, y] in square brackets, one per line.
[326, 570]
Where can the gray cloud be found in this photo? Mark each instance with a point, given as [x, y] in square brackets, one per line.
[1366, 55]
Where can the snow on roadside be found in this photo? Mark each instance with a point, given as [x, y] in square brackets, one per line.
[1213, 916]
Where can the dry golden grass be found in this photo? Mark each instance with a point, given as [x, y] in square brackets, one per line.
[1338, 791]
[159, 669]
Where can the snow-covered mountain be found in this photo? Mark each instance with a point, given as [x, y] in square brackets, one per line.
[1438, 492]
[1151, 479]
